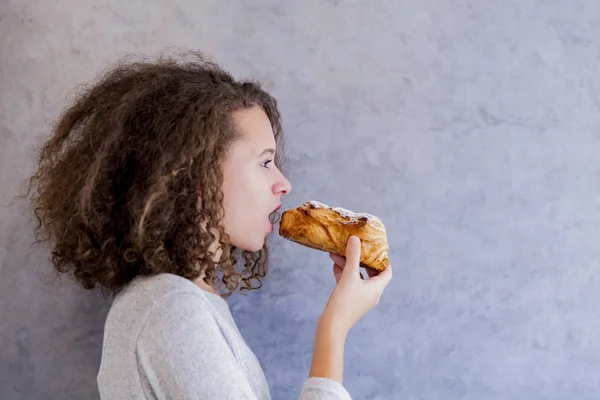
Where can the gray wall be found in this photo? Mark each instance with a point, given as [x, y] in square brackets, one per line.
[470, 127]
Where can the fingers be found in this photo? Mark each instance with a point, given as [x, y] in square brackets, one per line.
[371, 272]
[352, 266]
[382, 279]
[337, 272]
[339, 260]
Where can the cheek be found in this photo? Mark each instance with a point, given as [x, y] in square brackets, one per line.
[247, 194]
[241, 201]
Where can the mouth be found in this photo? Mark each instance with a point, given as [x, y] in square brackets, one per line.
[275, 210]
[273, 217]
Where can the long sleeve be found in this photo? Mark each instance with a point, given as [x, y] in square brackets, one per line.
[323, 388]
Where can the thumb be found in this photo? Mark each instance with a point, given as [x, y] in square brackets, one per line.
[352, 267]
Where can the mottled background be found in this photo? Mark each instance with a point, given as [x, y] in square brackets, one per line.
[470, 127]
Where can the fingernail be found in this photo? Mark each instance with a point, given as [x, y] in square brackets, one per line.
[353, 239]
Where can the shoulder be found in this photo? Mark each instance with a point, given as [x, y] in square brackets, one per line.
[158, 286]
[162, 299]
[150, 291]
[182, 320]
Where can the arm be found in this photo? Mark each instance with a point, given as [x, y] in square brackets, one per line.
[350, 300]
[327, 369]
[328, 353]
[183, 354]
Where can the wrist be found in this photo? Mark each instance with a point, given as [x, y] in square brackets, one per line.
[329, 326]
[328, 352]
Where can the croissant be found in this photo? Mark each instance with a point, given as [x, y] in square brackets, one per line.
[320, 227]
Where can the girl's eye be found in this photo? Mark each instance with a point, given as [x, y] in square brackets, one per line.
[266, 163]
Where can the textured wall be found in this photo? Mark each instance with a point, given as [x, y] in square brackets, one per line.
[471, 127]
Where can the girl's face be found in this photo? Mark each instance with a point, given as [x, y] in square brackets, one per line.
[253, 185]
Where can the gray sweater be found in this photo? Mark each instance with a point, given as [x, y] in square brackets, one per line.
[166, 338]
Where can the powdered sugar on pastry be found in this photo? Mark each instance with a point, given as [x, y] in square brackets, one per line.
[344, 212]
[316, 204]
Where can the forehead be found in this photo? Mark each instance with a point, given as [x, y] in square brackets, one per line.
[255, 127]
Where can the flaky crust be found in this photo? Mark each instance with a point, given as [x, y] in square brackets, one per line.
[318, 226]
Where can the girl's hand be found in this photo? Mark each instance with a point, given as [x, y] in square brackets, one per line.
[353, 296]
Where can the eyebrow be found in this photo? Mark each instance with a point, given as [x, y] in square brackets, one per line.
[267, 151]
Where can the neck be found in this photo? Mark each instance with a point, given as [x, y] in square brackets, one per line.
[205, 286]
[215, 249]
[202, 284]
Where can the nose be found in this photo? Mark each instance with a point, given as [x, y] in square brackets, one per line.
[283, 186]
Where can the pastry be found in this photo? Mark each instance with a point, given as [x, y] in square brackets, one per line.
[318, 226]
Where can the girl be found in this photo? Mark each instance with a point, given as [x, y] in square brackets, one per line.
[156, 182]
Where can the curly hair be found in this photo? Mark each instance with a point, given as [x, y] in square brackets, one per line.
[130, 180]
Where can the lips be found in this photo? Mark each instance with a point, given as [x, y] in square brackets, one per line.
[272, 214]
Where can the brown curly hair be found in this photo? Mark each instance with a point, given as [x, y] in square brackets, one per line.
[129, 182]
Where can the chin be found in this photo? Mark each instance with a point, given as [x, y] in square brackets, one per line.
[252, 246]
